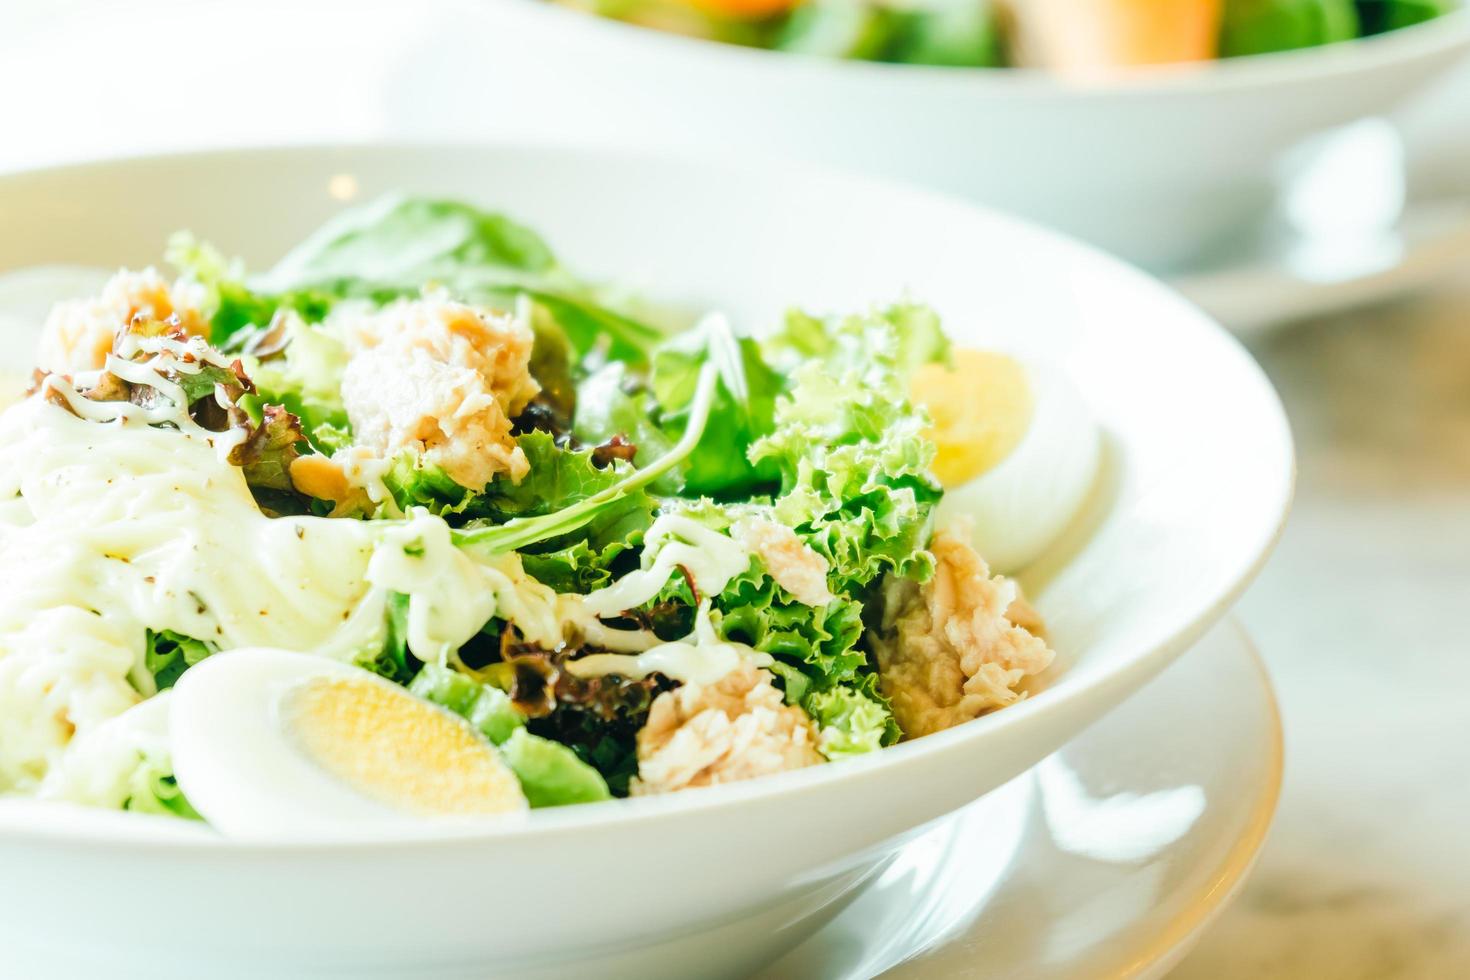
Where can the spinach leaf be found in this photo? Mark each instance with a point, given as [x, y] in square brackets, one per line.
[743, 411]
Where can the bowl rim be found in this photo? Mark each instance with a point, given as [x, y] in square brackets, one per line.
[1440, 36]
[28, 819]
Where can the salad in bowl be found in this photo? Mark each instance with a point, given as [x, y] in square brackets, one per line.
[417, 525]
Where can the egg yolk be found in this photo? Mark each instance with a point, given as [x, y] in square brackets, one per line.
[399, 750]
[981, 407]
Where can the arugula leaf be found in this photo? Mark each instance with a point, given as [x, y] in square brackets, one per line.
[168, 654]
[400, 242]
[610, 403]
[523, 532]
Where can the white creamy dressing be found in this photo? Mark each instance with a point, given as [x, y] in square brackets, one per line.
[181, 356]
[112, 528]
[699, 658]
[451, 595]
[711, 560]
[365, 470]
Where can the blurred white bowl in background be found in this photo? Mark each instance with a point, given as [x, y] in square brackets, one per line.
[1162, 166]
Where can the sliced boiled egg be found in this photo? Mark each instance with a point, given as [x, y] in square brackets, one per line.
[1016, 450]
[268, 743]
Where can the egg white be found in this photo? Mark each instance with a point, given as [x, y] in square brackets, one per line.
[1022, 504]
[241, 765]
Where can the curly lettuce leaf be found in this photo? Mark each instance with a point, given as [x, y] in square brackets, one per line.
[851, 720]
[849, 445]
[916, 337]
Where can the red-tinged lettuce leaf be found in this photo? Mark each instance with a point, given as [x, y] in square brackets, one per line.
[269, 448]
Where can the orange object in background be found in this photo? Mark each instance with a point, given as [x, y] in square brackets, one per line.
[1088, 38]
[746, 9]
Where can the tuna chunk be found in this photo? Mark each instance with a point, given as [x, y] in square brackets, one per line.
[954, 648]
[78, 335]
[443, 380]
[735, 728]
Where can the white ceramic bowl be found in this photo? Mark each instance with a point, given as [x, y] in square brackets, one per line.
[1160, 165]
[1197, 480]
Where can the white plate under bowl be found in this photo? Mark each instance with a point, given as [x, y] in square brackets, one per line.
[1108, 859]
[1195, 485]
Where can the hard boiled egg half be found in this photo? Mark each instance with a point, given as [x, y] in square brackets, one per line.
[1017, 451]
[268, 743]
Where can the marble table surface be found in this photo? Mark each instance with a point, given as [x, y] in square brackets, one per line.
[1363, 615]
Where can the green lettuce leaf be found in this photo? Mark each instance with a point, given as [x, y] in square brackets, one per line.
[854, 464]
[396, 246]
[168, 654]
[394, 661]
[486, 707]
[306, 378]
[852, 720]
[550, 773]
[744, 408]
[1262, 26]
[153, 789]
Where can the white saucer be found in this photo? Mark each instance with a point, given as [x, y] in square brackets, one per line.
[1356, 224]
[1283, 283]
[1108, 859]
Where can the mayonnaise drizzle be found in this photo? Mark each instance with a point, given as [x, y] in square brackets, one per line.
[711, 560]
[702, 657]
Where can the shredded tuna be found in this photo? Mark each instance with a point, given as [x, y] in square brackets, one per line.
[441, 379]
[789, 560]
[78, 334]
[736, 728]
[957, 646]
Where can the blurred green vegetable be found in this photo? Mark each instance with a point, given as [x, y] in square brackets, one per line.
[841, 29]
[953, 33]
[1262, 26]
[1378, 16]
